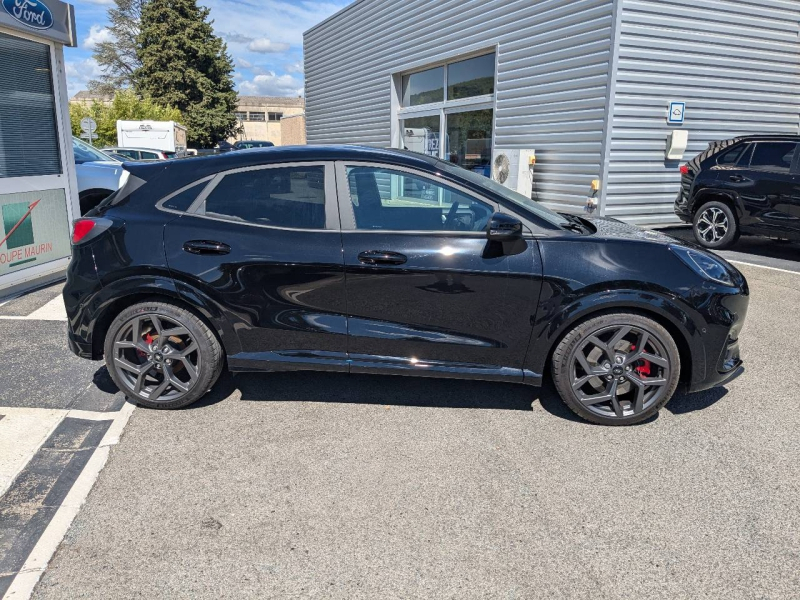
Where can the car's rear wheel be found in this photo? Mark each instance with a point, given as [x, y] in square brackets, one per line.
[616, 369]
[715, 226]
[161, 355]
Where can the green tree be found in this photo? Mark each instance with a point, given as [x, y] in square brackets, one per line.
[183, 64]
[118, 57]
[126, 106]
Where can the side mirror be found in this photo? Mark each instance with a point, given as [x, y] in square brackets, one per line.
[504, 228]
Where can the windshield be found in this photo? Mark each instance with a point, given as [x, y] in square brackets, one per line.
[85, 153]
[519, 199]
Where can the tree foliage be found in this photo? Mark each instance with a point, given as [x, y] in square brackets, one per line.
[118, 57]
[183, 64]
[126, 106]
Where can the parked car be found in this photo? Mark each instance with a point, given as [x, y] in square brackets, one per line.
[362, 260]
[246, 145]
[141, 153]
[745, 185]
[98, 174]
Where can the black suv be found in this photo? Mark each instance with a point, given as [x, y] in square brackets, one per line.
[745, 185]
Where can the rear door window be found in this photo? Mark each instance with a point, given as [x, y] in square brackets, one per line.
[291, 197]
[150, 156]
[773, 156]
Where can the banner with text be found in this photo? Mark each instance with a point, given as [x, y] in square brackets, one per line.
[34, 229]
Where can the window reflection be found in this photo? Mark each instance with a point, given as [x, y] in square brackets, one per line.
[421, 134]
[423, 87]
[472, 77]
[469, 140]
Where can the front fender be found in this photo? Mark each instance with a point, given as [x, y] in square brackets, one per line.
[554, 319]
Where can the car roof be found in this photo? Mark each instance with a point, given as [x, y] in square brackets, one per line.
[193, 168]
[763, 136]
[254, 142]
[129, 148]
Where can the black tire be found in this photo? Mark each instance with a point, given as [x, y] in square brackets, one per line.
[630, 406]
[715, 226]
[170, 370]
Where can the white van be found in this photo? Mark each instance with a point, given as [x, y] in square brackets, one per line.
[167, 136]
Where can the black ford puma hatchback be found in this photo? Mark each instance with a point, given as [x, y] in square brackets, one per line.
[360, 260]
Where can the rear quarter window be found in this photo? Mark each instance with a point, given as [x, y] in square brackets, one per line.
[730, 158]
[184, 199]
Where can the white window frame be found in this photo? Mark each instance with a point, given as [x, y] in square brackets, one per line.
[442, 109]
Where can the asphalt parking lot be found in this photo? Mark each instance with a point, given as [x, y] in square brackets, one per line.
[321, 485]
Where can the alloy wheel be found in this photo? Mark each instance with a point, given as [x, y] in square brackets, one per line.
[713, 225]
[620, 371]
[156, 357]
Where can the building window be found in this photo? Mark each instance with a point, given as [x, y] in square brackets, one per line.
[257, 116]
[240, 115]
[447, 111]
[28, 129]
[275, 116]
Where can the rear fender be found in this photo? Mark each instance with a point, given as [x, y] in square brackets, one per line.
[707, 195]
[119, 294]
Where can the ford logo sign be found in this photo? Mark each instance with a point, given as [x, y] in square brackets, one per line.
[33, 13]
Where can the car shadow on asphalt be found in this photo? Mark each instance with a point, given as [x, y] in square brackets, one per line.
[755, 245]
[412, 391]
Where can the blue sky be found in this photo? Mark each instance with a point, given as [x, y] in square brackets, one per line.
[264, 37]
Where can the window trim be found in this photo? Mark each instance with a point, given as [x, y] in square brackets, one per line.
[348, 218]
[332, 224]
[200, 196]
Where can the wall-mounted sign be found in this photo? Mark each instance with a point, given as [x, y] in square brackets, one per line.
[52, 19]
[676, 113]
[33, 13]
[34, 229]
[146, 127]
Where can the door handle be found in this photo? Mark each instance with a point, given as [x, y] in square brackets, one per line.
[382, 257]
[736, 178]
[206, 247]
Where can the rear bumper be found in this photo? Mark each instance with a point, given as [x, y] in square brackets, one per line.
[79, 347]
[682, 208]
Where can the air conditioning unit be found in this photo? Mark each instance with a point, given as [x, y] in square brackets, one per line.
[514, 169]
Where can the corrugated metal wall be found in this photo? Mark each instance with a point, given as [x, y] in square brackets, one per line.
[552, 81]
[736, 64]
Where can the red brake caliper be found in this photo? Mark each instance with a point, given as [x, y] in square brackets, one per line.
[643, 369]
[149, 339]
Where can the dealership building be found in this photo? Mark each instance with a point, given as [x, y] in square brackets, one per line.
[38, 188]
[618, 92]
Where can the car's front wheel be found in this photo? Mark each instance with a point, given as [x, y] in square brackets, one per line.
[616, 369]
[161, 355]
[715, 226]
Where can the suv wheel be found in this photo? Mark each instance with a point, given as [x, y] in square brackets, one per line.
[715, 226]
[617, 369]
[161, 355]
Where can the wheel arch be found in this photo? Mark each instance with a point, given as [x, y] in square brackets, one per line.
[160, 291]
[733, 201]
[668, 316]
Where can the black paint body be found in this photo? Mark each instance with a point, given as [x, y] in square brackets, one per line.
[765, 200]
[457, 305]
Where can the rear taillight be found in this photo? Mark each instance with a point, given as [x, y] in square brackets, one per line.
[81, 229]
[684, 169]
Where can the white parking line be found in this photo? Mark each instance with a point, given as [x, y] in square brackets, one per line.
[22, 432]
[52, 311]
[25, 581]
[741, 262]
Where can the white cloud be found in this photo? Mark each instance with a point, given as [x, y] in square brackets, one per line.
[243, 63]
[80, 73]
[97, 35]
[295, 67]
[265, 46]
[270, 84]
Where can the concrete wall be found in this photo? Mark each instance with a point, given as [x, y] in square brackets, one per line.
[293, 130]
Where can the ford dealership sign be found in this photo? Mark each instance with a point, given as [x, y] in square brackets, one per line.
[33, 13]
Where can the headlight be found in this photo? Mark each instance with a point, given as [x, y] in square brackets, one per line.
[703, 264]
